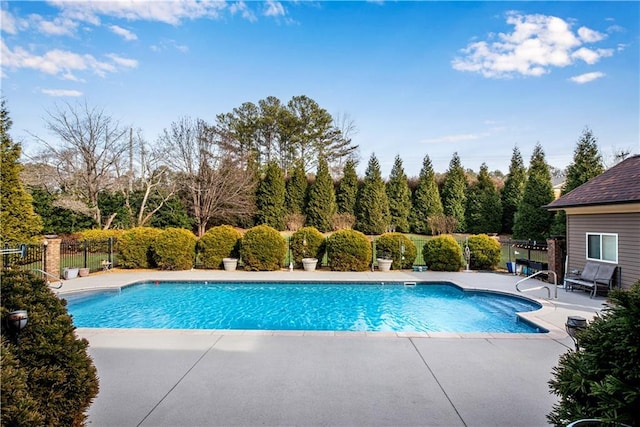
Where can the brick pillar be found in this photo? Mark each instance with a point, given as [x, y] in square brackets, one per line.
[52, 256]
[556, 253]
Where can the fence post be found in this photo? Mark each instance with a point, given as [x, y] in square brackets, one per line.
[86, 253]
[111, 251]
[556, 253]
[51, 253]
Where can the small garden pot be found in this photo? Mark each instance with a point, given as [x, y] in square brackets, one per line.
[83, 272]
[70, 273]
[309, 264]
[230, 264]
[384, 264]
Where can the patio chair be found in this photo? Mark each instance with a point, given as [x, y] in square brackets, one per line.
[604, 277]
[585, 279]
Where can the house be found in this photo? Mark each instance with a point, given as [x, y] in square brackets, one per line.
[603, 221]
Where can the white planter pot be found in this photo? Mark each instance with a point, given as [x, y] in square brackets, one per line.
[384, 264]
[309, 264]
[70, 273]
[230, 264]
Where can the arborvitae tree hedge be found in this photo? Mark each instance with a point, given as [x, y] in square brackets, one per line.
[454, 192]
[484, 209]
[348, 189]
[532, 221]
[296, 190]
[270, 196]
[426, 199]
[513, 190]
[372, 206]
[399, 197]
[587, 164]
[321, 205]
[18, 221]
[48, 378]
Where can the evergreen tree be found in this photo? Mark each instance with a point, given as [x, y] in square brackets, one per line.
[296, 189]
[348, 189]
[372, 206]
[532, 221]
[426, 199]
[18, 221]
[399, 197]
[270, 197]
[587, 164]
[321, 205]
[454, 193]
[484, 209]
[513, 190]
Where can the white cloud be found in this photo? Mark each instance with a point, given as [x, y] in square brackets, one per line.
[123, 32]
[537, 44]
[245, 12]
[59, 26]
[587, 77]
[169, 44]
[9, 24]
[274, 8]
[124, 62]
[61, 92]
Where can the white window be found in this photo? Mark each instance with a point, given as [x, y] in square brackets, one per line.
[602, 247]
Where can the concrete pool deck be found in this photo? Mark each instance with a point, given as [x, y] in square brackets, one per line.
[298, 378]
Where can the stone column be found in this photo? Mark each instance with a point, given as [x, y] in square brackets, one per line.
[556, 253]
[52, 256]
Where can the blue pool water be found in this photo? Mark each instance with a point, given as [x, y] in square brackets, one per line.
[427, 307]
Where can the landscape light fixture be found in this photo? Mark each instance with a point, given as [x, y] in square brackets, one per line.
[16, 321]
[573, 326]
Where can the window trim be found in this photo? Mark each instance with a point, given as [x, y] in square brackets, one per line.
[589, 233]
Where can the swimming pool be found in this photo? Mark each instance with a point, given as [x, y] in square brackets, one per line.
[422, 307]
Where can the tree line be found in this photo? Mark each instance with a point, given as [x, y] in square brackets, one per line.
[271, 164]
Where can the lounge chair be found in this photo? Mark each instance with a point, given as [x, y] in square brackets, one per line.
[592, 276]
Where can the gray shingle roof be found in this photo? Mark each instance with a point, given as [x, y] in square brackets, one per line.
[620, 184]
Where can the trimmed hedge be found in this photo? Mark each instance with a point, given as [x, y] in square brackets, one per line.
[175, 249]
[262, 248]
[307, 242]
[442, 253]
[217, 243]
[48, 378]
[389, 245]
[485, 252]
[349, 250]
[135, 247]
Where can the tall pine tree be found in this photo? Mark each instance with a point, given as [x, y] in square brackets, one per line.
[18, 221]
[532, 221]
[296, 189]
[321, 205]
[399, 197]
[454, 193]
[513, 190]
[270, 197]
[426, 199]
[587, 164]
[348, 189]
[484, 209]
[372, 206]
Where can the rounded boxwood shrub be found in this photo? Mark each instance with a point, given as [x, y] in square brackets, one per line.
[389, 246]
[48, 378]
[135, 247]
[442, 253]
[217, 243]
[485, 252]
[262, 248]
[349, 250]
[602, 379]
[175, 249]
[307, 242]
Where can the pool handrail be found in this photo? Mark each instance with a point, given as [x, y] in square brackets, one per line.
[52, 276]
[555, 283]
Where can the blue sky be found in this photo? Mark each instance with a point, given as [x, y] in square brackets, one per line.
[417, 78]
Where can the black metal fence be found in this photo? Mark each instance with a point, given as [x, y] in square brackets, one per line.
[23, 257]
[92, 254]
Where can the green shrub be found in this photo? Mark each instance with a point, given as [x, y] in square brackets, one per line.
[218, 243]
[134, 247]
[602, 379]
[99, 239]
[389, 246]
[262, 248]
[175, 249]
[349, 250]
[307, 242]
[442, 253]
[48, 378]
[485, 252]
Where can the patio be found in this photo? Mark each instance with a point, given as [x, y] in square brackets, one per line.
[278, 378]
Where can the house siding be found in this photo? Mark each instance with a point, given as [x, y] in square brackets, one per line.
[625, 225]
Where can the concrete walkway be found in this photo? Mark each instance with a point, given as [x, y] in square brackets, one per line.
[295, 378]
